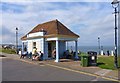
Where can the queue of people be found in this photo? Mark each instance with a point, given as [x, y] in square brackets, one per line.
[34, 55]
[37, 55]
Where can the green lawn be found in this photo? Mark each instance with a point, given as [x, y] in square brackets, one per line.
[106, 62]
[9, 51]
[82, 54]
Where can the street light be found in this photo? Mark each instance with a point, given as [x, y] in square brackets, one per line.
[99, 44]
[16, 39]
[115, 5]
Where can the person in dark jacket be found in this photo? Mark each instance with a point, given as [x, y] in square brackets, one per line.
[108, 53]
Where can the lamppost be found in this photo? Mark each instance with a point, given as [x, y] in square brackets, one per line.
[115, 4]
[99, 44]
[16, 39]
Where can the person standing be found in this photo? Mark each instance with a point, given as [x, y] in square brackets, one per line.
[108, 53]
[54, 53]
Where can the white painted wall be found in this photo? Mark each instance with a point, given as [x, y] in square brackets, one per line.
[63, 39]
[51, 39]
[29, 46]
[35, 34]
[41, 45]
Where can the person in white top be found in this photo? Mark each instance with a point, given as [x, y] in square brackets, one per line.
[20, 52]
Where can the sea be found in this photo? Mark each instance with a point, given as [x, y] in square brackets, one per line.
[85, 49]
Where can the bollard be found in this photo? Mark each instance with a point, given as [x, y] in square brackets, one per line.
[112, 53]
[101, 52]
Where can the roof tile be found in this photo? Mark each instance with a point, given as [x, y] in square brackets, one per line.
[52, 27]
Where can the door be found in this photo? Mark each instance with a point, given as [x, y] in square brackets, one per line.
[49, 50]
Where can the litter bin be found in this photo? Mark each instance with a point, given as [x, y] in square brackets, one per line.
[92, 58]
[84, 60]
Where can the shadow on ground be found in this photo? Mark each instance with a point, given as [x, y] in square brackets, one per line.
[2, 56]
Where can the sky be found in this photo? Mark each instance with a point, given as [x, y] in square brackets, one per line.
[88, 19]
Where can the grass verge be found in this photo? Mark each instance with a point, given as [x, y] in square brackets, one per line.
[9, 51]
[106, 62]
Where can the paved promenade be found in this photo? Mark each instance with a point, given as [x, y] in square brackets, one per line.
[73, 66]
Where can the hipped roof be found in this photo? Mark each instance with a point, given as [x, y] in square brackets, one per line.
[52, 28]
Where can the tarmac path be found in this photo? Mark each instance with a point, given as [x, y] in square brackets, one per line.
[16, 70]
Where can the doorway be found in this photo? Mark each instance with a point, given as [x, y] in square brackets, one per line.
[51, 46]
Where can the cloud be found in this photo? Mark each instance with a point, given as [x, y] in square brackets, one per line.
[7, 35]
[17, 1]
[89, 20]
